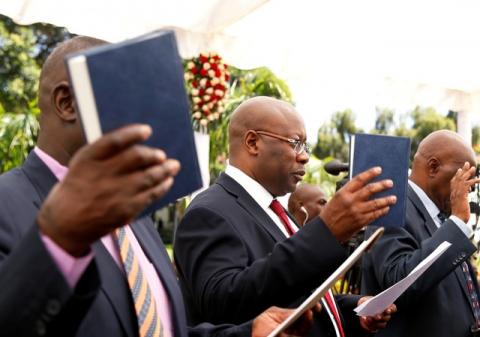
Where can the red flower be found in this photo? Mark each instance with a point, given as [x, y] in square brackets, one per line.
[194, 84]
[214, 66]
[216, 58]
[218, 73]
[194, 70]
[227, 77]
[203, 72]
[201, 92]
[203, 59]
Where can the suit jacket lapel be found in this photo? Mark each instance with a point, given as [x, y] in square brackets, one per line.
[116, 289]
[251, 206]
[40, 176]
[429, 224]
[431, 227]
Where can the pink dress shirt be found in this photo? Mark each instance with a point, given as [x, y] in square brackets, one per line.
[73, 268]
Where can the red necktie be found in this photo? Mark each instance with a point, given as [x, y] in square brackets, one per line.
[280, 212]
[329, 298]
[278, 209]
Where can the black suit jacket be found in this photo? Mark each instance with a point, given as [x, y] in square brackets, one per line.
[234, 262]
[35, 299]
[437, 303]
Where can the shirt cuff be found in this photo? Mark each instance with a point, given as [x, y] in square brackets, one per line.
[71, 267]
[462, 226]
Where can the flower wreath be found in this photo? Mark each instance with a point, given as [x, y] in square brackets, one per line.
[206, 77]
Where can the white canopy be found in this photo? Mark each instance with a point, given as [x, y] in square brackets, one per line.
[333, 54]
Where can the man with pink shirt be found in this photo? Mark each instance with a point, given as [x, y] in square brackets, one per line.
[62, 272]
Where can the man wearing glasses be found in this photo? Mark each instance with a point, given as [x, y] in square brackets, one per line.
[237, 251]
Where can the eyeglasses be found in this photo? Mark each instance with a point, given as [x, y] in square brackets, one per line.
[298, 145]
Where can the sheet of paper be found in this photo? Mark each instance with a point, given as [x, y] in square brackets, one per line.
[380, 302]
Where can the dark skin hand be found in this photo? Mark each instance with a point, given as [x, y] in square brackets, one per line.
[372, 324]
[460, 186]
[268, 320]
[108, 184]
[351, 209]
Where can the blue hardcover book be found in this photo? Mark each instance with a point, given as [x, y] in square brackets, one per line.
[139, 81]
[392, 154]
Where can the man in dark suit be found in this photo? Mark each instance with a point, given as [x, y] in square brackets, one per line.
[61, 271]
[232, 250]
[439, 303]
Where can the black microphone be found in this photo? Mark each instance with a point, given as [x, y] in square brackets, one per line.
[335, 166]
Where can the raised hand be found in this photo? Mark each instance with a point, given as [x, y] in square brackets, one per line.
[351, 209]
[109, 183]
[460, 186]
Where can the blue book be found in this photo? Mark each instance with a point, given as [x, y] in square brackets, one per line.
[139, 81]
[393, 155]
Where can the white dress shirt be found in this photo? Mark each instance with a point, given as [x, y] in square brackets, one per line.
[433, 211]
[259, 194]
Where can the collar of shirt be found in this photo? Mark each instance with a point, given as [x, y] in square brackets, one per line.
[57, 169]
[259, 194]
[256, 191]
[432, 209]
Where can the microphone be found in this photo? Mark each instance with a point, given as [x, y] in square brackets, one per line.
[335, 166]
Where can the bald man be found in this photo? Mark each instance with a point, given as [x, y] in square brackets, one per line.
[61, 269]
[439, 303]
[237, 253]
[306, 202]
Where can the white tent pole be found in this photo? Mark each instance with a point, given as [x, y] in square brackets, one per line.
[464, 125]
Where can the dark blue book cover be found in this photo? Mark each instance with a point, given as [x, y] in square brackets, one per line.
[393, 155]
[139, 81]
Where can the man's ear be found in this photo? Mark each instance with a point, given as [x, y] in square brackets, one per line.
[433, 165]
[63, 102]
[251, 142]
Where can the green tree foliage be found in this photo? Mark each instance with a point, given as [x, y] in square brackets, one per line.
[316, 175]
[244, 84]
[23, 50]
[18, 132]
[425, 121]
[385, 122]
[18, 70]
[333, 137]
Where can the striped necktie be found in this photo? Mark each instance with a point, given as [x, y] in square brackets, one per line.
[280, 212]
[149, 323]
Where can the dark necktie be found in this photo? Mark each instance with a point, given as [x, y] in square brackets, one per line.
[280, 212]
[149, 323]
[472, 293]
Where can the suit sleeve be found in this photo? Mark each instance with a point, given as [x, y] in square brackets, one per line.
[35, 299]
[398, 252]
[213, 262]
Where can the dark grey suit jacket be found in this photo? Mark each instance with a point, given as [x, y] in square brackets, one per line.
[234, 262]
[35, 299]
[437, 303]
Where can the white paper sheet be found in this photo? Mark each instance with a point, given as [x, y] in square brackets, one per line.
[380, 302]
